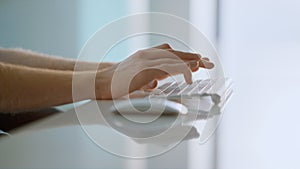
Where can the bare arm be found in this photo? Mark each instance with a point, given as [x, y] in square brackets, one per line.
[24, 88]
[27, 88]
[38, 60]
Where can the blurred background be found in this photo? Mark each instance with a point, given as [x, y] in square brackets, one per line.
[259, 46]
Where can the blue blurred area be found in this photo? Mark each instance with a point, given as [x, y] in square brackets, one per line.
[44, 26]
[54, 26]
[94, 15]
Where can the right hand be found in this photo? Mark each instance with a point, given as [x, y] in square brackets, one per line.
[142, 70]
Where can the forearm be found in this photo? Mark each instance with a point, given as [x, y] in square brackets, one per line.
[38, 60]
[23, 88]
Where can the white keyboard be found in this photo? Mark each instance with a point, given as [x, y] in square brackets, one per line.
[218, 90]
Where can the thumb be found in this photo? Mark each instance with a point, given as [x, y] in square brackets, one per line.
[151, 85]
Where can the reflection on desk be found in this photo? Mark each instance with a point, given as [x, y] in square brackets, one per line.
[61, 138]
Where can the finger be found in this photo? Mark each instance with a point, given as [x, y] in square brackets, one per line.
[160, 61]
[195, 69]
[194, 65]
[163, 46]
[159, 72]
[206, 64]
[160, 53]
[186, 55]
[151, 85]
[207, 59]
[175, 69]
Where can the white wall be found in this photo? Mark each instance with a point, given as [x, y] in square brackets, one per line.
[260, 44]
[203, 16]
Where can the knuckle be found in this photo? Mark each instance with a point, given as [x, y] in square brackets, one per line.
[140, 53]
[166, 45]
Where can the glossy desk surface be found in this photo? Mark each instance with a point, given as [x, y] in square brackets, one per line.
[83, 138]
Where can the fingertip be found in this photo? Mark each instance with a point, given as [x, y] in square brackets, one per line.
[188, 77]
[210, 65]
[206, 64]
[190, 81]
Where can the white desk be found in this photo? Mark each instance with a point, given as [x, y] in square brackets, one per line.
[60, 142]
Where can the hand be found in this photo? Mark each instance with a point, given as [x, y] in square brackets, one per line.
[142, 70]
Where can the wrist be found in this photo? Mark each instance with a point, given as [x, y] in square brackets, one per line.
[91, 85]
[103, 85]
[83, 85]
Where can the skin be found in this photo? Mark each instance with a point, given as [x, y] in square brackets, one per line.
[31, 81]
